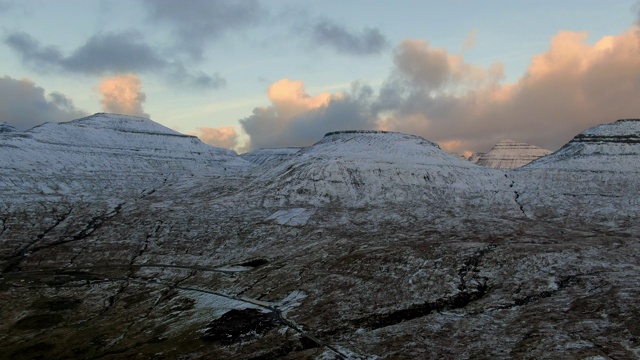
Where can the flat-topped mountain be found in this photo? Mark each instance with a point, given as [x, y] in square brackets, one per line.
[509, 154]
[358, 167]
[106, 151]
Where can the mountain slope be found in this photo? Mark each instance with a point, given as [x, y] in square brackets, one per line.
[269, 155]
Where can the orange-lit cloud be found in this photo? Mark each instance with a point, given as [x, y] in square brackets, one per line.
[225, 137]
[466, 107]
[122, 94]
[297, 118]
[290, 99]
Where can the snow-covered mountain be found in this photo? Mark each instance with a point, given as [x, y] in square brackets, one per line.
[364, 245]
[367, 167]
[594, 175]
[104, 153]
[606, 147]
[509, 154]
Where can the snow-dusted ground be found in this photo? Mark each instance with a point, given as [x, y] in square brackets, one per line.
[364, 245]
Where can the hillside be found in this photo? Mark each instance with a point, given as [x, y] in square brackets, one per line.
[363, 245]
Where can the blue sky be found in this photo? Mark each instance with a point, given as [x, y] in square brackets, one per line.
[205, 67]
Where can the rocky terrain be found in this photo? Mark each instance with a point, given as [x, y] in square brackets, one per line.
[122, 239]
[509, 154]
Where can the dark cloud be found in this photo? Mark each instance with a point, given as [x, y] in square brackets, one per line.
[295, 118]
[195, 22]
[367, 42]
[32, 53]
[110, 53]
[199, 80]
[114, 52]
[24, 105]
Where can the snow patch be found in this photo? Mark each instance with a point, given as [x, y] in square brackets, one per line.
[291, 217]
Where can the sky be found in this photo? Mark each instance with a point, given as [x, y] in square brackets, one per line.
[251, 74]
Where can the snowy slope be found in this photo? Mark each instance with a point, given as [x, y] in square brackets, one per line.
[106, 151]
[268, 155]
[509, 154]
[363, 167]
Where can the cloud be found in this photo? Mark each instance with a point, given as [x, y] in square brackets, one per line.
[296, 118]
[225, 137]
[368, 42]
[109, 53]
[196, 22]
[24, 105]
[571, 86]
[5, 5]
[122, 95]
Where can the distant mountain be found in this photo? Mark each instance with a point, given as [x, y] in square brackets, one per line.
[509, 154]
[475, 156]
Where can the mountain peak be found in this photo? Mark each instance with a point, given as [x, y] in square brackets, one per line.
[124, 123]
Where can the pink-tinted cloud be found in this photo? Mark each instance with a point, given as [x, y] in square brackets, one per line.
[225, 137]
[123, 94]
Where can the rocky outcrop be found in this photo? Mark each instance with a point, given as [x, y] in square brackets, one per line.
[6, 128]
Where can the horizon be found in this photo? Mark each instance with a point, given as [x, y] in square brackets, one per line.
[255, 74]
